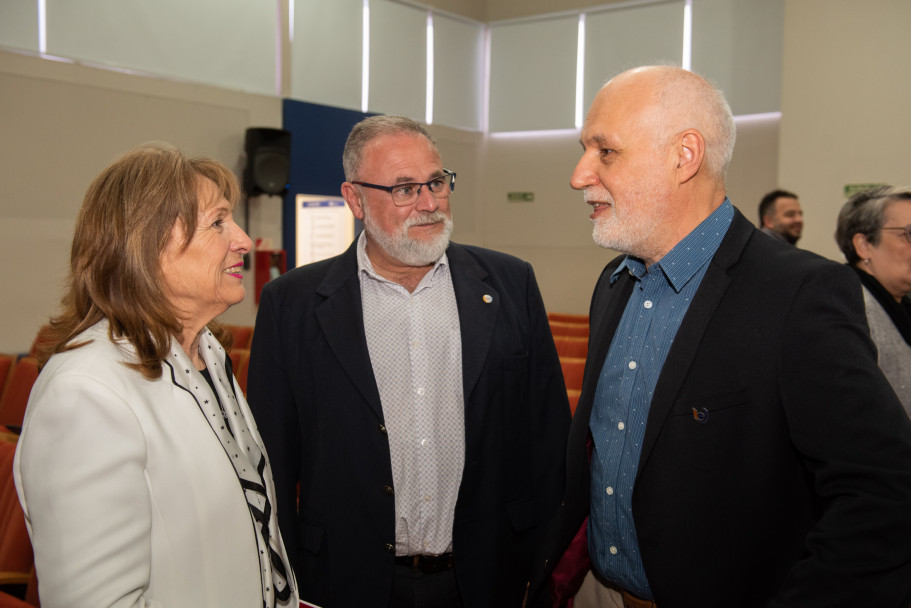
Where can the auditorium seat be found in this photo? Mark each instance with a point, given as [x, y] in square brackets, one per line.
[8, 601]
[569, 328]
[567, 317]
[573, 368]
[6, 369]
[18, 388]
[243, 335]
[16, 557]
[571, 346]
[241, 372]
[573, 396]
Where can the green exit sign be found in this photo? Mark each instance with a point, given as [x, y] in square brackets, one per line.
[852, 189]
[521, 197]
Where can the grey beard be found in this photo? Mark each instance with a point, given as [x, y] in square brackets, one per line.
[409, 251]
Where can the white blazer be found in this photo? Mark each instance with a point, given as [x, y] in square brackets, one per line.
[129, 497]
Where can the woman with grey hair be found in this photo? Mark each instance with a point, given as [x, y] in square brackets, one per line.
[874, 233]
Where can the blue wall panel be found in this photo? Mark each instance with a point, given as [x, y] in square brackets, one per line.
[318, 135]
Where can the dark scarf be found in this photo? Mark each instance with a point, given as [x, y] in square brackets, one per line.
[899, 312]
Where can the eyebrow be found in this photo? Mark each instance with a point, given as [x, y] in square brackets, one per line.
[412, 180]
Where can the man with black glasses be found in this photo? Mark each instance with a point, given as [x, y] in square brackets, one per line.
[411, 388]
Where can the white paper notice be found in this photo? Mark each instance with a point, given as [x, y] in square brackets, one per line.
[325, 227]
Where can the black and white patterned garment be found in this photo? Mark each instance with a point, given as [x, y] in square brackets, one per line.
[229, 416]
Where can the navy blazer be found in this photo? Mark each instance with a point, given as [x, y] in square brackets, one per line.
[316, 403]
[776, 463]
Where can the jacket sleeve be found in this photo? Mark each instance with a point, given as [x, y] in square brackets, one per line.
[80, 475]
[855, 441]
[551, 415]
[272, 403]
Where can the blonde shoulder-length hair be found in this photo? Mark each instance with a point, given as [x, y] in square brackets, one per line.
[125, 223]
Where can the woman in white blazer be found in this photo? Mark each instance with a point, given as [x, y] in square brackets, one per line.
[142, 475]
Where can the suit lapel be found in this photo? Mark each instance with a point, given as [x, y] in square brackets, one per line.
[606, 310]
[478, 303]
[692, 328]
[341, 318]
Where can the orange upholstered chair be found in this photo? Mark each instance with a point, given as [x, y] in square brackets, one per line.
[568, 328]
[243, 335]
[573, 368]
[567, 317]
[241, 371]
[18, 388]
[8, 601]
[6, 368]
[573, 396]
[571, 346]
[16, 557]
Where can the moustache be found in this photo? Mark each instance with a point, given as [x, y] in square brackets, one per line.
[432, 217]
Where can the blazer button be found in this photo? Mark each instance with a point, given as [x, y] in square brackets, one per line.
[390, 548]
[383, 429]
[388, 490]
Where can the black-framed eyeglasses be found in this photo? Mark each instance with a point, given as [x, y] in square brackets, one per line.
[407, 193]
[905, 231]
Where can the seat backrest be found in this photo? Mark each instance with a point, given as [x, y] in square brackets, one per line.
[567, 317]
[18, 388]
[15, 548]
[567, 328]
[6, 368]
[243, 335]
[571, 346]
[241, 371]
[573, 369]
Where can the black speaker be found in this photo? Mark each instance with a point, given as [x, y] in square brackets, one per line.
[268, 161]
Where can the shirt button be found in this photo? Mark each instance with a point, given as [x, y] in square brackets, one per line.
[426, 497]
[610, 491]
[425, 441]
[632, 365]
[421, 391]
[621, 426]
[383, 429]
[647, 303]
[613, 550]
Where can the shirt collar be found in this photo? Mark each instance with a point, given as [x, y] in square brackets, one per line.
[681, 263]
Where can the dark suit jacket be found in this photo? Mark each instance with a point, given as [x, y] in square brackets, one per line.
[795, 487]
[312, 390]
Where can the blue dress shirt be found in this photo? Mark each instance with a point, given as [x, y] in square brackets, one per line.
[659, 301]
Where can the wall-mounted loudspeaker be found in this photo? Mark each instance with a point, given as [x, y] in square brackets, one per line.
[268, 161]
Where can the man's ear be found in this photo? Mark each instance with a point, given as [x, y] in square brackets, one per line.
[690, 154]
[767, 221]
[352, 197]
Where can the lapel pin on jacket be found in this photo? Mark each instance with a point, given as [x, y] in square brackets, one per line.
[701, 417]
[487, 298]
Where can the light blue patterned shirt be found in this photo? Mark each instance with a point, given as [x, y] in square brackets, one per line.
[659, 301]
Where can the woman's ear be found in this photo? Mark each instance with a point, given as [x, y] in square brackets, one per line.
[861, 245]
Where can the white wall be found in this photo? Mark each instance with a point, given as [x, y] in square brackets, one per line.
[843, 93]
[845, 89]
[62, 124]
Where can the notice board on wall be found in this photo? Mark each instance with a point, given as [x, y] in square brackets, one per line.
[324, 227]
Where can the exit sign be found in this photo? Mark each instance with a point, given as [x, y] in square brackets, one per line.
[521, 197]
[851, 189]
